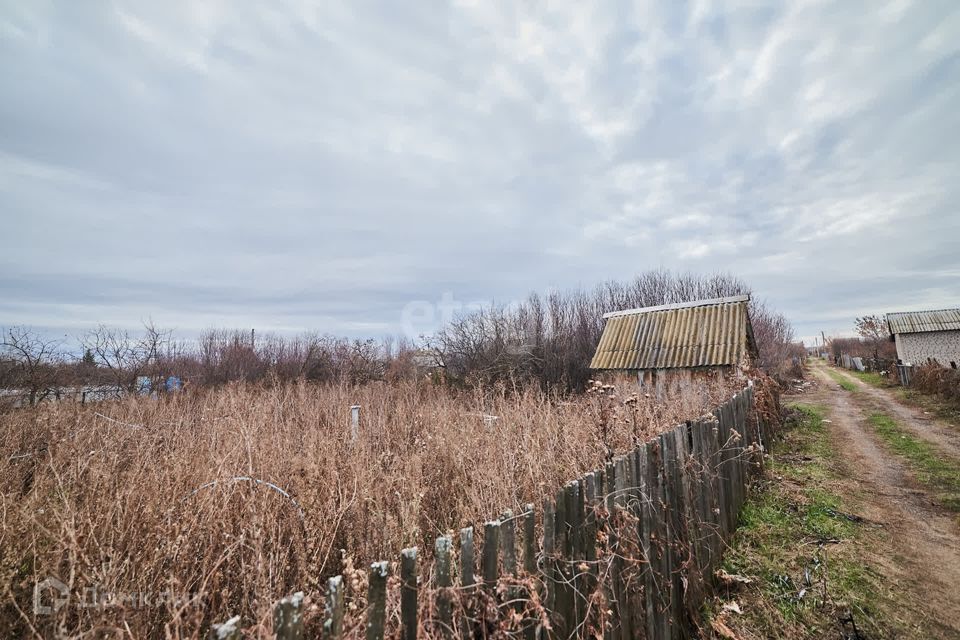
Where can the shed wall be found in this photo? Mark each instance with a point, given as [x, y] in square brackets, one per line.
[917, 348]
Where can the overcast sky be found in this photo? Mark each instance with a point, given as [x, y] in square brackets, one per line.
[298, 165]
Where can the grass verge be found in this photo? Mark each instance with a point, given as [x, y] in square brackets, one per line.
[933, 404]
[873, 378]
[842, 380]
[795, 544]
[931, 467]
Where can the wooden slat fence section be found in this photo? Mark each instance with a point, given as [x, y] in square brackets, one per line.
[628, 550]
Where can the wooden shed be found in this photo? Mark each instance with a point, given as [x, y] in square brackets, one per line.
[704, 335]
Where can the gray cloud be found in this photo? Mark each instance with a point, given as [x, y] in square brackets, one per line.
[291, 166]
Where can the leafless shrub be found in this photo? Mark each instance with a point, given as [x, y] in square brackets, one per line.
[30, 362]
[935, 379]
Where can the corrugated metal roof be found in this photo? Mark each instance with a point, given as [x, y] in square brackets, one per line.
[708, 333]
[921, 321]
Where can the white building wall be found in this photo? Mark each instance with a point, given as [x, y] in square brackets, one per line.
[917, 348]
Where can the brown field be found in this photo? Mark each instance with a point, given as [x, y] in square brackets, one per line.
[123, 505]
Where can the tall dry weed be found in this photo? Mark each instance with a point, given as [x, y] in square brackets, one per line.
[158, 517]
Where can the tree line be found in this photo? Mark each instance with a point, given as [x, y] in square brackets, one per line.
[552, 338]
[545, 339]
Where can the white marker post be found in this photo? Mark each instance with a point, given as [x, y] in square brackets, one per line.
[354, 421]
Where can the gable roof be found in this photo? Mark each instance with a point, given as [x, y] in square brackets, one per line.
[922, 321]
[705, 333]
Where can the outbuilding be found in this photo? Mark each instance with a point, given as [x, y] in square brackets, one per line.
[712, 335]
[926, 336]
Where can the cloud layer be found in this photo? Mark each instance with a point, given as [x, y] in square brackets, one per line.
[296, 165]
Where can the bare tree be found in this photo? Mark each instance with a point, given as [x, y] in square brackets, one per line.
[125, 357]
[872, 328]
[876, 337]
[33, 362]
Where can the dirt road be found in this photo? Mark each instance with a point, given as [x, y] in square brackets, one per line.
[920, 423]
[916, 544]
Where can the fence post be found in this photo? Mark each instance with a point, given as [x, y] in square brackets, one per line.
[377, 600]
[354, 421]
[467, 578]
[621, 482]
[718, 496]
[610, 486]
[590, 516]
[529, 561]
[563, 598]
[529, 543]
[658, 626]
[441, 551]
[673, 539]
[725, 471]
[693, 594]
[508, 541]
[491, 566]
[638, 594]
[701, 492]
[742, 459]
[408, 593]
[549, 551]
[738, 461]
[508, 545]
[612, 586]
[333, 625]
[574, 553]
[590, 498]
[229, 630]
[466, 557]
[288, 618]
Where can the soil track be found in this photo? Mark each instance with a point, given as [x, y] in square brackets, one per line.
[921, 424]
[918, 549]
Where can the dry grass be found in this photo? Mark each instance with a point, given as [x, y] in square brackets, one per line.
[114, 503]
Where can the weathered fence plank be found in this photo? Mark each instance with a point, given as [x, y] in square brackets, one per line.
[377, 600]
[622, 482]
[529, 540]
[442, 564]
[408, 593]
[467, 578]
[508, 542]
[564, 603]
[288, 618]
[692, 591]
[590, 500]
[333, 622]
[549, 553]
[229, 630]
[674, 540]
[491, 554]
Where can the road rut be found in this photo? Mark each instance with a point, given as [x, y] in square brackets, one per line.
[923, 555]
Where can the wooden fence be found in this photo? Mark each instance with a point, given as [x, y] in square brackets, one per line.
[628, 551]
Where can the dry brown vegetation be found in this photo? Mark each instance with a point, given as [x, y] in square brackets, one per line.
[117, 496]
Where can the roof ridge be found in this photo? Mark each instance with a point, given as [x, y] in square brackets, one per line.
[679, 305]
[895, 313]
